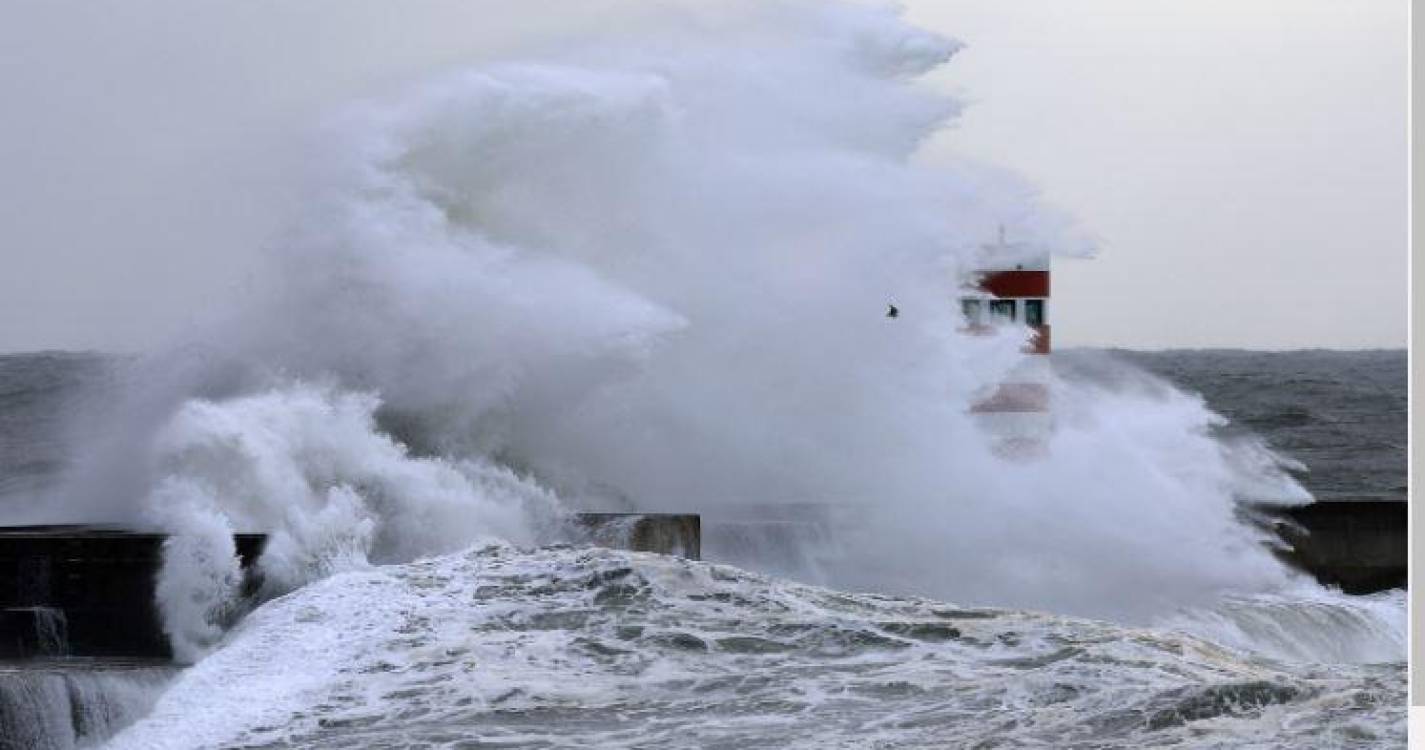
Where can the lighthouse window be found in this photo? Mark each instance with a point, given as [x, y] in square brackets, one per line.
[1002, 309]
[971, 308]
[1034, 312]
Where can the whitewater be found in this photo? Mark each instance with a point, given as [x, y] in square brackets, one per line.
[646, 269]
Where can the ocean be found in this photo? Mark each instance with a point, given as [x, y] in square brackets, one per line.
[558, 646]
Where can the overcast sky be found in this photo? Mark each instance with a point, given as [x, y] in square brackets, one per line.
[1243, 163]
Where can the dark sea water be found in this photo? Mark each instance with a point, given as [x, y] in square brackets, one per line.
[1340, 413]
[42, 397]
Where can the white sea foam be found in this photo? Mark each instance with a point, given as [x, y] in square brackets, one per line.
[307, 466]
[1306, 624]
[563, 647]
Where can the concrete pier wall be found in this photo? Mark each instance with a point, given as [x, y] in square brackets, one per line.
[94, 584]
[89, 590]
[1359, 546]
[61, 705]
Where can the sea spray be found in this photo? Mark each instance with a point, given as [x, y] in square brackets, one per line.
[306, 466]
[199, 583]
[648, 272]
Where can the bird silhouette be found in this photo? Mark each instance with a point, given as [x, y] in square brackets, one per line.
[893, 312]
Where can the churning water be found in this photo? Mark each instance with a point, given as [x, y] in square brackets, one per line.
[648, 271]
[562, 647]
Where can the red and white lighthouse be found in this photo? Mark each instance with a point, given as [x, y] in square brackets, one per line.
[1012, 289]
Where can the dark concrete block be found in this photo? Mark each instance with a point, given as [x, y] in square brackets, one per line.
[99, 581]
[27, 632]
[1359, 546]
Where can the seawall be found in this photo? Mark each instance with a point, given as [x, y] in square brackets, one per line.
[1358, 545]
[88, 591]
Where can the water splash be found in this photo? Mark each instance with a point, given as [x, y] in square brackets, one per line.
[647, 272]
[1306, 625]
[65, 706]
[307, 466]
[51, 631]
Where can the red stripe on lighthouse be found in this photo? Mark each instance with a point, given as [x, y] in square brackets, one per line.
[1016, 283]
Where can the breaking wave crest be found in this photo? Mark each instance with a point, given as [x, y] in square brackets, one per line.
[1308, 624]
[307, 466]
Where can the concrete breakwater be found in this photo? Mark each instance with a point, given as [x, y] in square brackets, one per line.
[1359, 546]
[88, 591]
[61, 704]
[85, 591]
[82, 647]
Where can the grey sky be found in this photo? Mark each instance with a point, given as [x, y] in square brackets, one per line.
[1243, 163]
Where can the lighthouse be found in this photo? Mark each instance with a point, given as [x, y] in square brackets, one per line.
[1011, 288]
